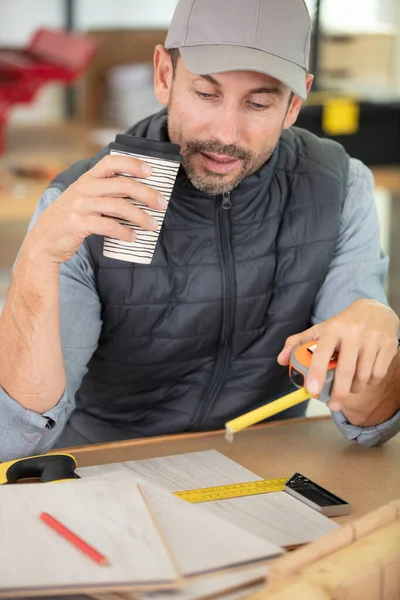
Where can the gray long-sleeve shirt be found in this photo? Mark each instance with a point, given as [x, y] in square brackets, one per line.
[358, 270]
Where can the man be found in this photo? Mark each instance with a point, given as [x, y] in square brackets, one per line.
[271, 239]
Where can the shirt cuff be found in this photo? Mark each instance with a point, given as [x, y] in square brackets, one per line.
[368, 436]
[26, 433]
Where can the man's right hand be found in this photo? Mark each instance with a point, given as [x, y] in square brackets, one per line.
[92, 205]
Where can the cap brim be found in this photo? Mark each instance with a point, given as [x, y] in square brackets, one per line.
[205, 60]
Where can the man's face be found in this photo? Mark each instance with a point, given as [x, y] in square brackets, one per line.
[227, 124]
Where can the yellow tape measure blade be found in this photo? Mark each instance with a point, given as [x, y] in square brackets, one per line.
[233, 490]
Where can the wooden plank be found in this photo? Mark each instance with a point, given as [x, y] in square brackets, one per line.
[278, 517]
[227, 586]
[391, 577]
[200, 540]
[293, 589]
[367, 568]
[353, 572]
[363, 584]
[290, 564]
[374, 520]
[109, 513]
[361, 556]
[201, 594]
[330, 543]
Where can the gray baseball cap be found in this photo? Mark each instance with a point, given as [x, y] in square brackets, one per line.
[267, 36]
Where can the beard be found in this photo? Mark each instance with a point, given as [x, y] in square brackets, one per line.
[207, 181]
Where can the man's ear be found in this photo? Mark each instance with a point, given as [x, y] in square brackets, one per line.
[296, 105]
[163, 74]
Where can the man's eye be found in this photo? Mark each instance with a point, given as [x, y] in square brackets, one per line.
[204, 95]
[257, 106]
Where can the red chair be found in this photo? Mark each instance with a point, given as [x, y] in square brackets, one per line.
[51, 56]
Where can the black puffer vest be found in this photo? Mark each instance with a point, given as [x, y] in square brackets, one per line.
[191, 340]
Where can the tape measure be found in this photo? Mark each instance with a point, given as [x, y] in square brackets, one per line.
[299, 366]
[233, 490]
[47, 468]
[300, 363]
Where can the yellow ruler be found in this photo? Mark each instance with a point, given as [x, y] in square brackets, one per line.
[233, 490]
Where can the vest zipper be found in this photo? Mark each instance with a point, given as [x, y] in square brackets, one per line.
[228, 313]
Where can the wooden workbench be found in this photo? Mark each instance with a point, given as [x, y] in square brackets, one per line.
[368, 478]
[365, 477]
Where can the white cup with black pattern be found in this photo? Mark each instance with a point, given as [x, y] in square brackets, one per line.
[165, 160]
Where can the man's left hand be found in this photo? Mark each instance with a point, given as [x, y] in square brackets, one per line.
[365, 335]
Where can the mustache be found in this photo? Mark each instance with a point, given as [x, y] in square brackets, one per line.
[215, 148]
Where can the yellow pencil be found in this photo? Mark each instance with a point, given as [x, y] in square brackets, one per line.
[264, 412]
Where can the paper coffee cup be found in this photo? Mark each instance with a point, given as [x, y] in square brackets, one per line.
[165, 161]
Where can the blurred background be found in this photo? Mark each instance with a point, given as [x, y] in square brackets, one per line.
[73, 73]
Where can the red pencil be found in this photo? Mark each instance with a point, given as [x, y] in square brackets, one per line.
[74, 539]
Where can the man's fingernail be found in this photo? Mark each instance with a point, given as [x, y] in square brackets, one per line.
[335, 406]
[146, 169]
[153, 223]
[162, 203]
[313, 386]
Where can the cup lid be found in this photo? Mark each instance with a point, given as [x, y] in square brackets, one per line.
[124, 142]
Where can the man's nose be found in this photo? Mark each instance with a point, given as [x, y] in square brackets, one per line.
[225, 126]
